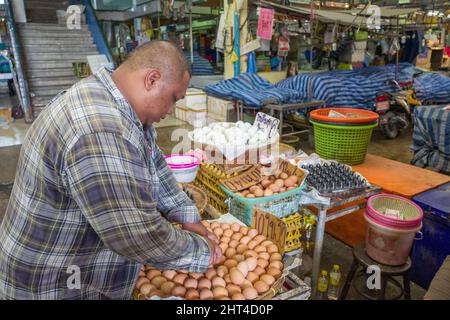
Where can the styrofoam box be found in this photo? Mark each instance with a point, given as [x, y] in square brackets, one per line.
[180, 113]
[197, 118]
[195, 99]
[219, 107]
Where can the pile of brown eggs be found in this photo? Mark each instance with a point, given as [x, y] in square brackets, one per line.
[249, 267]
[270, 185]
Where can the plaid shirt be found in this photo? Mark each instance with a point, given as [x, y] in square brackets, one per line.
[92, 191]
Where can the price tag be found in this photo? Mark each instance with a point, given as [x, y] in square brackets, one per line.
[267, 124]
[245, 180]
[271, 227]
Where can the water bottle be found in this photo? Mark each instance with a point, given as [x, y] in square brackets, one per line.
[322, 285]
[335, 278]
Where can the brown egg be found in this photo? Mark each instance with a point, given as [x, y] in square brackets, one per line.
[290, 188]
[251, 263]
[218, 282]
[233, 244]
[223, 246]
[252, 233]
[245, 240]
[239, 257]
[218, 231]
[237, 277]
[157, 293]
[284, 176]
[294, 179]
[258, 192]
[214, 225]
[196, 275]
[259, 249]
[252, 277]
[221, 271]
[230, 252]
[222, 258]
[263, 263]
[243, 268]
[250, 195]
[179, 279]
[238, 296]
[237, 236]
[169, 274]
[264, 255]
[282, 189]
[146, 268]
[241, 248]
[276, 264]
[261, 286]
[158, 281]
[192, 294]
[167, 287]
[227, 278]
[275, 257]
[232, 289]
[228, 233]
[220, 292]
[274, 187]
[253, 188]
[266, 243]
[183, 271]
[210, 273]
[230, 263]
[274, 272]
[267, 278]
[268, 192]
[225, 239]
[246, 284]
[252, 244]
[250, 293]
[204, 283]
[272, 248]
[146, 288]
[259, 271]
[243, 230]
[266, 183]
[260, 238]
[153, 273]
[205, 223]
[206, 294]
[141, 281]
[225, 226]
[250, 253]
[245, 192]
[235, 227]
[288, 183]
[142, 274]
[190, 283]
[179, 291]
[279, 183]
[277, 173]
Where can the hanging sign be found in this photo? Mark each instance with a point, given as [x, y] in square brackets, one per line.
[267, 124]
[271, 227]
[265, 23]
[250, 46]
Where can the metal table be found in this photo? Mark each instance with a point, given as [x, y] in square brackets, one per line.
[281, 108]
[324, 218]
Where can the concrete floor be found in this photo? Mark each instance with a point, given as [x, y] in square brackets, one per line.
[334, 251]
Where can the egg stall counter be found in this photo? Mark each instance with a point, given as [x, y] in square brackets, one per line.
[251, 268]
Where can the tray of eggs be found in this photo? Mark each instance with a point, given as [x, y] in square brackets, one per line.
[271, 185]
[250, 269]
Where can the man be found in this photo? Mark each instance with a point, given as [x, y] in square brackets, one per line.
[93, 197]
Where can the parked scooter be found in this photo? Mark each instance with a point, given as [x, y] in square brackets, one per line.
[395, 109]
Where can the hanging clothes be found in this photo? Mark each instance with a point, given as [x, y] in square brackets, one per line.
[410, 50]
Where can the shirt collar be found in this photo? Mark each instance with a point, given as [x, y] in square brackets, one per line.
[104, 76]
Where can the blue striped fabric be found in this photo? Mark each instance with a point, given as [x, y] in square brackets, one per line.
[431, 138]
[253, 90]
[351, 89]
[201, 66]
[433, 87]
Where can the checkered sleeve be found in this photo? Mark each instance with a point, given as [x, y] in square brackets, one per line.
[175, 204]
[108, 178]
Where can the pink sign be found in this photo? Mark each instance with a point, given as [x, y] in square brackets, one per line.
[265, 23]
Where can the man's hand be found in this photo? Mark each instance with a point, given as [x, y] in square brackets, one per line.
[213, 242]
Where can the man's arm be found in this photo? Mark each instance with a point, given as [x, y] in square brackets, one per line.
[109, 180]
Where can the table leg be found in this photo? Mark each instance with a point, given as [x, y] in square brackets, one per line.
[320, 231]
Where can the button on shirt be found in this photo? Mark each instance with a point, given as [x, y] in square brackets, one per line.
[93, 200]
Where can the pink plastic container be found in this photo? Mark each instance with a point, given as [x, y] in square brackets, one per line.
[390, 237]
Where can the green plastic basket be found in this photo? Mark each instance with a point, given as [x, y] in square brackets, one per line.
[347, 144]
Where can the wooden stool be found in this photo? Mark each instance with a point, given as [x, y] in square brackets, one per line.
[360, 258]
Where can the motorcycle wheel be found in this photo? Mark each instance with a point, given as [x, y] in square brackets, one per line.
[390, 129]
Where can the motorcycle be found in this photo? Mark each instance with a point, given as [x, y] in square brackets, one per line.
[395, 109]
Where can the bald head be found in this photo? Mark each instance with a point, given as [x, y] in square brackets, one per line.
[161, 55]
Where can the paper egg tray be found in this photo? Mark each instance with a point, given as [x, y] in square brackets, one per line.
[249, 260]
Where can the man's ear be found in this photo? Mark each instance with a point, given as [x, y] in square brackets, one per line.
[151, 78]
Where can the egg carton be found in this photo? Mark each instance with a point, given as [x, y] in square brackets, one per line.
[332, 178]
